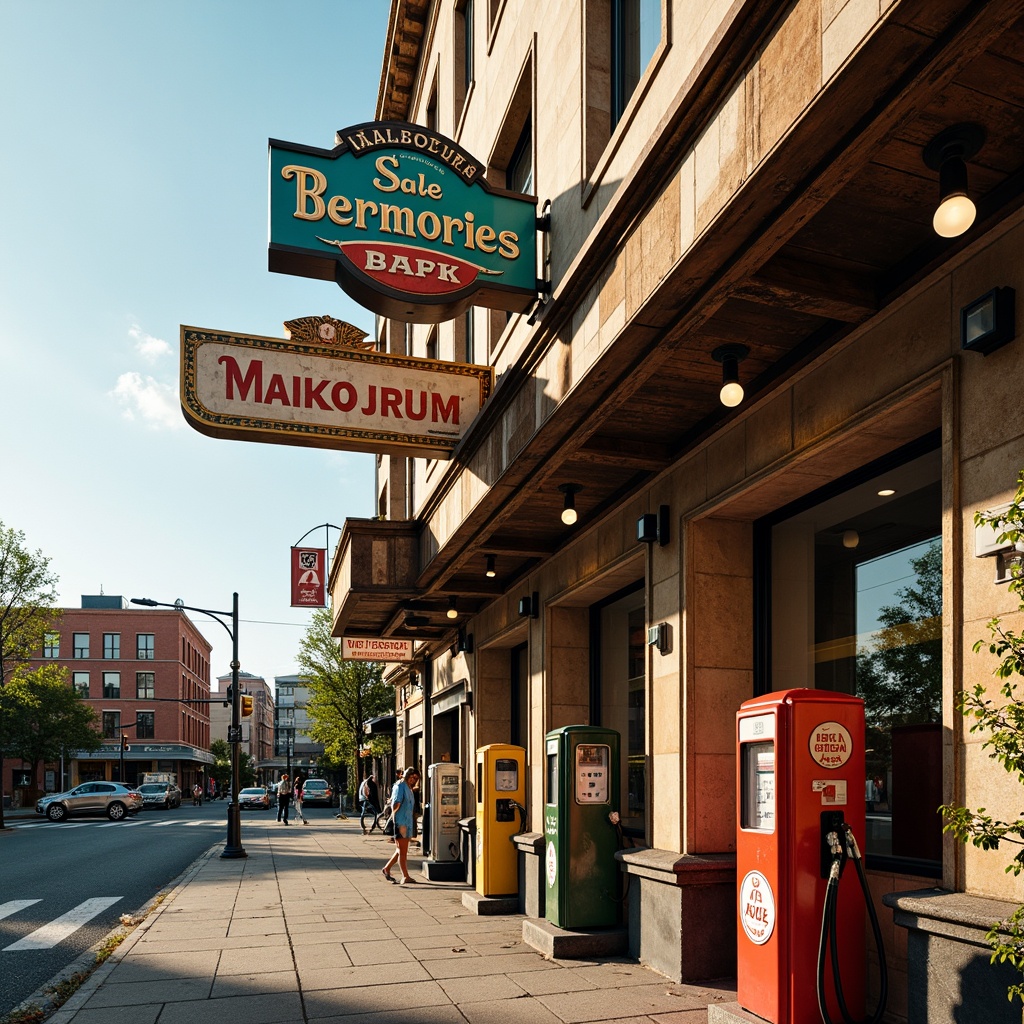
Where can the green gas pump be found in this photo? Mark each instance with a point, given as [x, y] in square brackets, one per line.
[581, 790]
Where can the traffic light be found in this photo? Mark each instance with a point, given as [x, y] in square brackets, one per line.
[246, 705]
[230, 695]
[124, 742]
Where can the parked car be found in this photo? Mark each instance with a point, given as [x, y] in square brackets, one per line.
[254, 798]
[317, 791]
[160, 794]
[104, 798]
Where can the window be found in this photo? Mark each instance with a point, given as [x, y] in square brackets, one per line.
[111, 685]
[636, 32]
[144, 647]
[51, 645]
[144, 725]
[856, 606]
[111, 725]
[81, 645]
[519, 173]
[470, 337]
[463, 51]
[80, 683]
[145, 683]
[111, 645]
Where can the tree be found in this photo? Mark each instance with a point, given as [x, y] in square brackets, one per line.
[28, 593]
[1004, 723]
[221, 770]
[345, 695]
[43, 718]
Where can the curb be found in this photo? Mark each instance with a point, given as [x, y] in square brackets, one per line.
[42, 999]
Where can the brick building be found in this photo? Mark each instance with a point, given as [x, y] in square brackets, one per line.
[258, 729]
[146, 674]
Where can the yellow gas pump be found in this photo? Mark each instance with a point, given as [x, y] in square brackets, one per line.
[500, 800]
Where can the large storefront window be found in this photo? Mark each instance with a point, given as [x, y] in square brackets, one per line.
[855, 606]
[623, 698]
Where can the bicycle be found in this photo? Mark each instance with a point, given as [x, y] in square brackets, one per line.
[376, 819]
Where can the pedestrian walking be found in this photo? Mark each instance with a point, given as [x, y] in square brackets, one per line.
[197, 795]
[299, 783]
[369, 800]
[284, 798]
[403, 810]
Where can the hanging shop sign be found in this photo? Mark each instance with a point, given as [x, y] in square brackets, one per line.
[371, 648]
[404, 220]
[308, 576]
[316, 393]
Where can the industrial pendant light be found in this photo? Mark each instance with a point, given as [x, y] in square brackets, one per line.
[730, 357]
[569, 515]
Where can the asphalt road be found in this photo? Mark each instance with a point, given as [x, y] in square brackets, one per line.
[48, 871]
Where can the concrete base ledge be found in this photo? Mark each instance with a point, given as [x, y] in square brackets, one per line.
[561, 944]
[731, 1013]
[444, 870]
[488, 906]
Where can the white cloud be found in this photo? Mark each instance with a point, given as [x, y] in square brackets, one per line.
[146, 399]
[150, 348]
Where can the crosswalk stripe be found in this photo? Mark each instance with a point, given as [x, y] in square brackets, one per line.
[61, 927]
[13, 906]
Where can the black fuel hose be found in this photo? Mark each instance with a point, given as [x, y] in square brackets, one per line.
[829, 933]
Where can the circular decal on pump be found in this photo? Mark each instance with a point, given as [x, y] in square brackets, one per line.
[757, 907]
[552, 864]
[830, 744]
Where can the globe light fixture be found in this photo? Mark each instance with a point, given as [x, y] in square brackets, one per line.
[948, 154]
[730, 357]
[569, 515]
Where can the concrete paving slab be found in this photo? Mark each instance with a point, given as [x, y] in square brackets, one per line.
[605, 1004]
[162, 945]
[424, 1015]
[167, 990]
[256, 926]
[509, 1011]
[120, 1015]
[474, 990]
[316, 979]
[164, 966]
[402, 1000]
[378, 952]
[279, 1008]
[228, 985]
[541, 983]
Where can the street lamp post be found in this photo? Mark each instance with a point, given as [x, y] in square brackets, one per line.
[233, 848]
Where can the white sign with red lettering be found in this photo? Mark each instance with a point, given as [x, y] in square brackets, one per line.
[830, 744]
[365, 648]
[757, 908]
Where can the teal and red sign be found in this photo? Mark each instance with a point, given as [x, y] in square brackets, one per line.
[403, 219]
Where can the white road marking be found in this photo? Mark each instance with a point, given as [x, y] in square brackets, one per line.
[13, 906]
[61, 927]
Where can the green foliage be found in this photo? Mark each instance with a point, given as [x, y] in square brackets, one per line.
[221, 770]
[41, 717]
[344, 695]
[28, 592]
[1004, 723]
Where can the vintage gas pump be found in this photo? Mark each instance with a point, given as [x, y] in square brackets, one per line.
[800, 807]
[500, 814]
[444, 788]
[582, 788]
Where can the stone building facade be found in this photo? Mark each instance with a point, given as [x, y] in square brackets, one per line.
[723, 174]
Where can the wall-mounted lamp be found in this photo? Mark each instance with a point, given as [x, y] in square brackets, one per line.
[569, 515]
[453, 607]
[660, 636]
[948, 154]
[654, 526]
[988, 323]
[530, 606]
[489, 571]
[851, 538]
[465, 642]
[730, 356]
[414, 680]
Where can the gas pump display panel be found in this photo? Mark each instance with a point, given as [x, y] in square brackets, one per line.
[506, 775]
[593, 761]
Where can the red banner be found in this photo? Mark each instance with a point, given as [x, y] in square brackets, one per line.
[309, 577]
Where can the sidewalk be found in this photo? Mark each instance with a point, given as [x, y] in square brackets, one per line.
[306, 929]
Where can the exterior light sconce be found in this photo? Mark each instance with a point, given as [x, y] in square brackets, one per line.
[660, 636]
[988, 323]
[989, 543]
[569, 515]
[654, 526]
[489, 571]
[730, 356]
[948, 154]
[453, 609]
[851, 538]
[414, 681]
[465, 642]
[529, 607]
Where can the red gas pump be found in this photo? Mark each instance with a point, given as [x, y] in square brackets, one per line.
[800, 803]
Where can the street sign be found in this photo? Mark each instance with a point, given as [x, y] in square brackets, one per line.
[234, 734]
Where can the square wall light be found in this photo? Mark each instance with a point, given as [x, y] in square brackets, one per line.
[987, 323]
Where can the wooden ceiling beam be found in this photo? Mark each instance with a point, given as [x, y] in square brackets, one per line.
[811, 288]
[602, 450]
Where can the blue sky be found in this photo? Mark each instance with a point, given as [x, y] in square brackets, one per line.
[133, 199]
